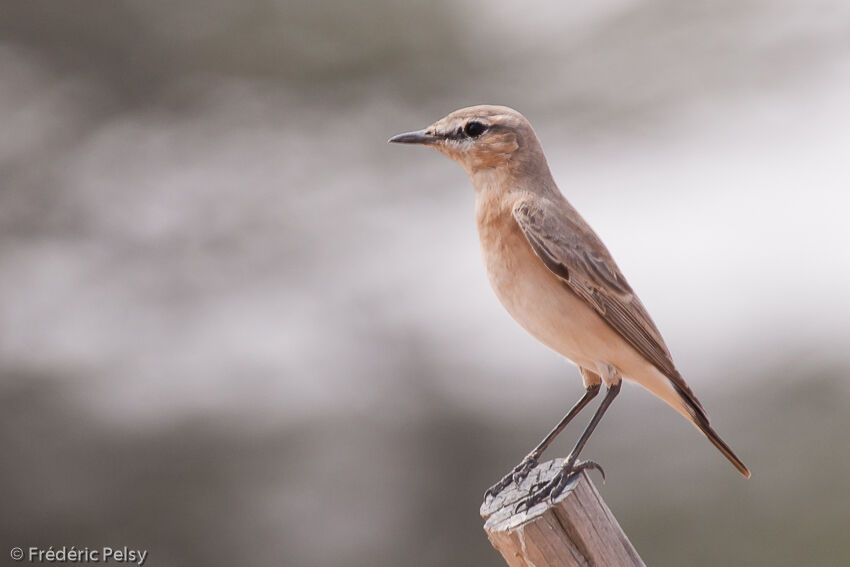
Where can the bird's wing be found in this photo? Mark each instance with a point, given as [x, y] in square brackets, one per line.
[573, 252]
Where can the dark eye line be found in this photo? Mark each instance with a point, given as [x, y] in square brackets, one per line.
[462, 132]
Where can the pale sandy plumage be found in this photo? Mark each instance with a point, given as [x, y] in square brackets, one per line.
[549, 269]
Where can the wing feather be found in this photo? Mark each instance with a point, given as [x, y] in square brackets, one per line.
[573, 252]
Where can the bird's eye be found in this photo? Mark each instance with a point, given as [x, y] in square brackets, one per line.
[474, 129]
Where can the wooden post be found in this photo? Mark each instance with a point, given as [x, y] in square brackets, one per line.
[577, 529]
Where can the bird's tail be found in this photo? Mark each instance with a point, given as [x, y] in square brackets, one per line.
[695, 413]
[701, 422]
[677, 394]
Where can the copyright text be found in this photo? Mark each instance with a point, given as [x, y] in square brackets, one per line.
[74, 554]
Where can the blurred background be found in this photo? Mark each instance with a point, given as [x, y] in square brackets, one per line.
[236, 327]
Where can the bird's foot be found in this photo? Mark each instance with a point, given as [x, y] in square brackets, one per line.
[552, 489]
[517, 475]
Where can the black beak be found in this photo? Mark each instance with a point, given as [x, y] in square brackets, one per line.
[418, 137]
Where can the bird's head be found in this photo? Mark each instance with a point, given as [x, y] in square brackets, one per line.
[481, 138]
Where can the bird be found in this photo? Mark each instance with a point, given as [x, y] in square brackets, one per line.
[556, 278]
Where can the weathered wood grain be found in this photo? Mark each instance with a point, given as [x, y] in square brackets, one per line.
[577, 529]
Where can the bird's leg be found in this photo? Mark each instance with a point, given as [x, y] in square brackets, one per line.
[530, 461]
[572, 465]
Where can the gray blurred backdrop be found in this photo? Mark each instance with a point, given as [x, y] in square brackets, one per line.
[237, 328]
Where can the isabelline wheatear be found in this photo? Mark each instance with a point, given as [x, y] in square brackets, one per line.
[556, 278]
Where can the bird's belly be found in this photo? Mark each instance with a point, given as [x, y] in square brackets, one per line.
[541, 303]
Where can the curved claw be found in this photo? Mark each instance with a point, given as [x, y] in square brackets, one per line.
[517, 475]
[590, 465]
[521, 470]
[494, 490]
[540, 491]
[530, 501]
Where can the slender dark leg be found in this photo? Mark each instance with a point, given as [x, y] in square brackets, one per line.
[530, 461]
[554, 487]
